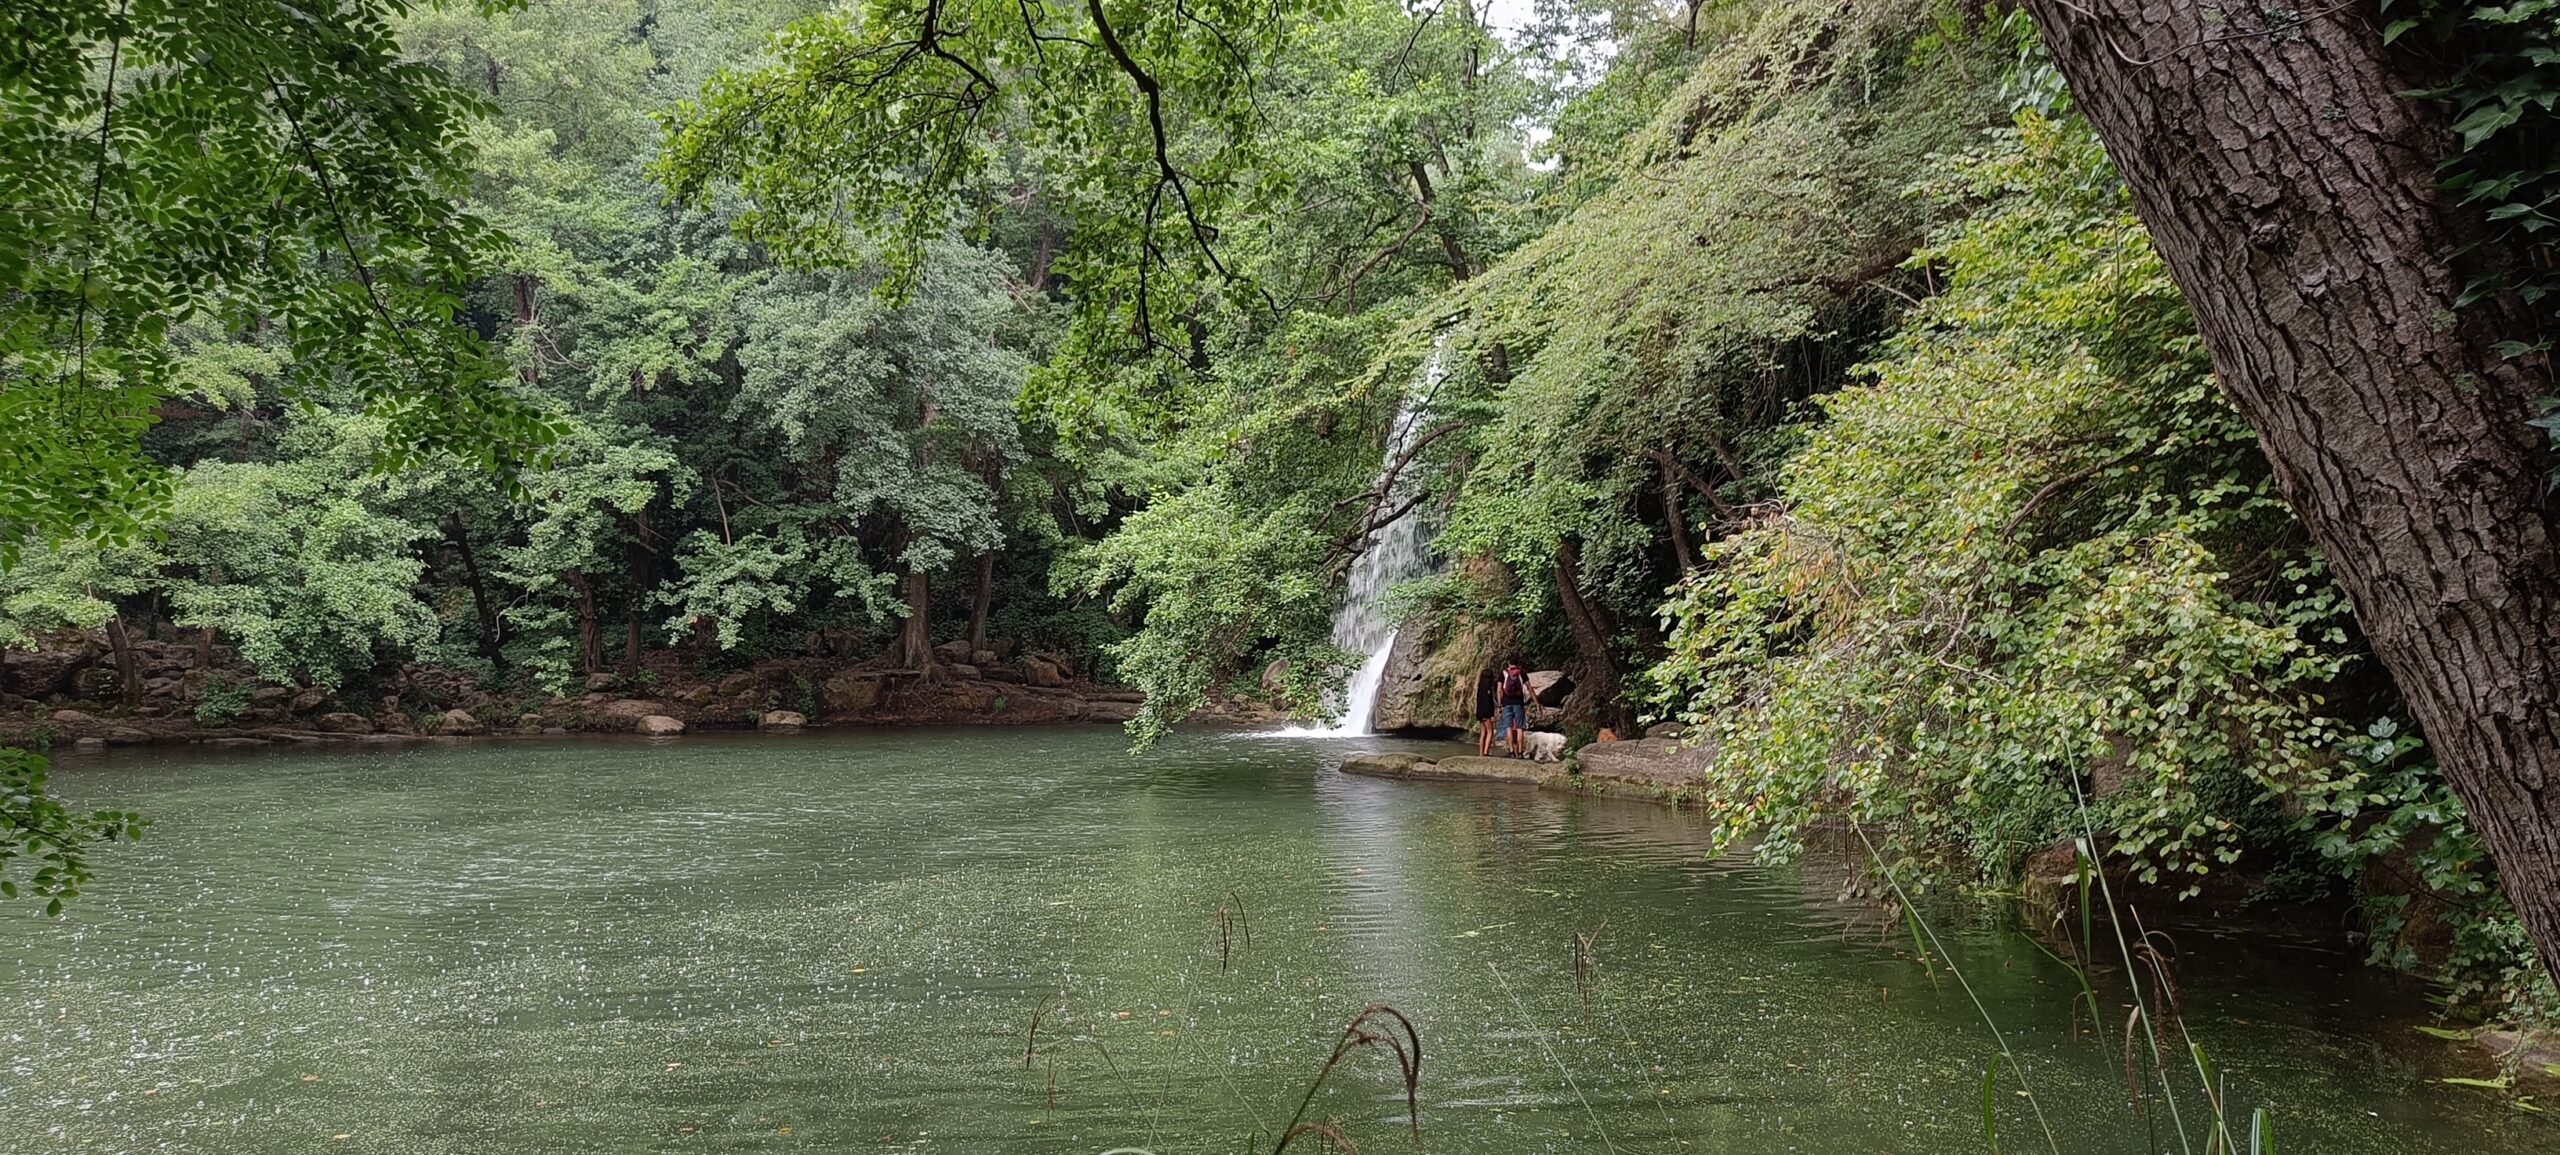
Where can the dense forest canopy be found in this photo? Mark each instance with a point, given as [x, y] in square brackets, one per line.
[1803, 373]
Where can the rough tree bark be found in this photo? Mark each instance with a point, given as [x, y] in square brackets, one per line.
[979, 599]
[2293, 194]
[637, 563]
[590, 637]
[460, 534]
[128, 670]
[915, 635]
[1593, 627]
[1679, 520]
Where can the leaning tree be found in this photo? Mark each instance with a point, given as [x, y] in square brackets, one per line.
[2385, 332]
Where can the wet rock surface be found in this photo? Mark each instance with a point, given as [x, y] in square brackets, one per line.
[1656, 768]
[1646, 763]
[1460, 768]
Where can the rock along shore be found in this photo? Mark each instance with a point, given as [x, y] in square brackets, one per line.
[71, 695]
[1659, 769]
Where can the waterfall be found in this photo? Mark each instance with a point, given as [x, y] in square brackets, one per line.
[1396, 553]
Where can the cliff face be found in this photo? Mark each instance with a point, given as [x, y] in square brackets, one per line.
[1430, 680]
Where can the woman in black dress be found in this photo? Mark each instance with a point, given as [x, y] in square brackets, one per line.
[1487, 683]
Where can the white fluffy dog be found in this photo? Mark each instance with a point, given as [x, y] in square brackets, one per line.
[1543, 746]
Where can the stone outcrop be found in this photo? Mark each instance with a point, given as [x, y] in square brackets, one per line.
[1463, 768]
[459, 724]
[343, 723]
[1644, 765]
[781, 720]
[625, 713]
[849, 693]
[657, 726]
[44, 672]
[1653, 768]
[1430, 679]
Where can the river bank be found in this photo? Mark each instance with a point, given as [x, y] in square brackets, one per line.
[2229, 905]
[77, 693]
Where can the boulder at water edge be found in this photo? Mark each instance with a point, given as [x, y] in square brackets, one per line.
[850, 693]
[781, 720]
[343, 723]
[659, 725]
[459, 723]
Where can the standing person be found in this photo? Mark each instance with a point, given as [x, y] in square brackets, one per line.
[1512, 700]
[1487, 683]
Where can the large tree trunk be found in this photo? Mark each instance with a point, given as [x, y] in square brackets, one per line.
[637, 569]
[979, 599]
[915, 635]
[2294, 196]
[1593, 631]
[487, 610]
[128, 669]
[590, 636]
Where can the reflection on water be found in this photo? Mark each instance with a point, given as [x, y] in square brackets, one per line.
[837, 941]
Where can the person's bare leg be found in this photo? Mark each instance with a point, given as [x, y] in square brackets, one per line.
[1484, 737]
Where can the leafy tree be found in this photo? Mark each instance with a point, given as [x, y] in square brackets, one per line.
[904, 415]
[884, 119]
[590, 521]
[297, 560]
[238, 164]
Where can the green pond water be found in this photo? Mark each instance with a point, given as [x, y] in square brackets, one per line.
[837, 941]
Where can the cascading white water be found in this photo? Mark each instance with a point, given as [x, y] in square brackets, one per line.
[1398, 552]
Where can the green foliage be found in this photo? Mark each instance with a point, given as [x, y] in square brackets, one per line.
[1218, 585]
[297, 560]
[2037, 559]
[887, 121]
[70, 585]
[174, 166]
[1716, 276]
[2388, 818]
[46, 839]
[222, 700]
[2503, 92]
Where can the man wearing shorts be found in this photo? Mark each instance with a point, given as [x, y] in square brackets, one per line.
[1511, 702]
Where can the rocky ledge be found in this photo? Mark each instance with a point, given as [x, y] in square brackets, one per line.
[1663, 768]
[1463, 768]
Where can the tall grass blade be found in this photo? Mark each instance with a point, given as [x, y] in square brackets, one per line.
[2051, 1144]
[1567, 1072]
[1990, 1091]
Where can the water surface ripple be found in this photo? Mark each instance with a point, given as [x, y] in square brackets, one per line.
[837, 941]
